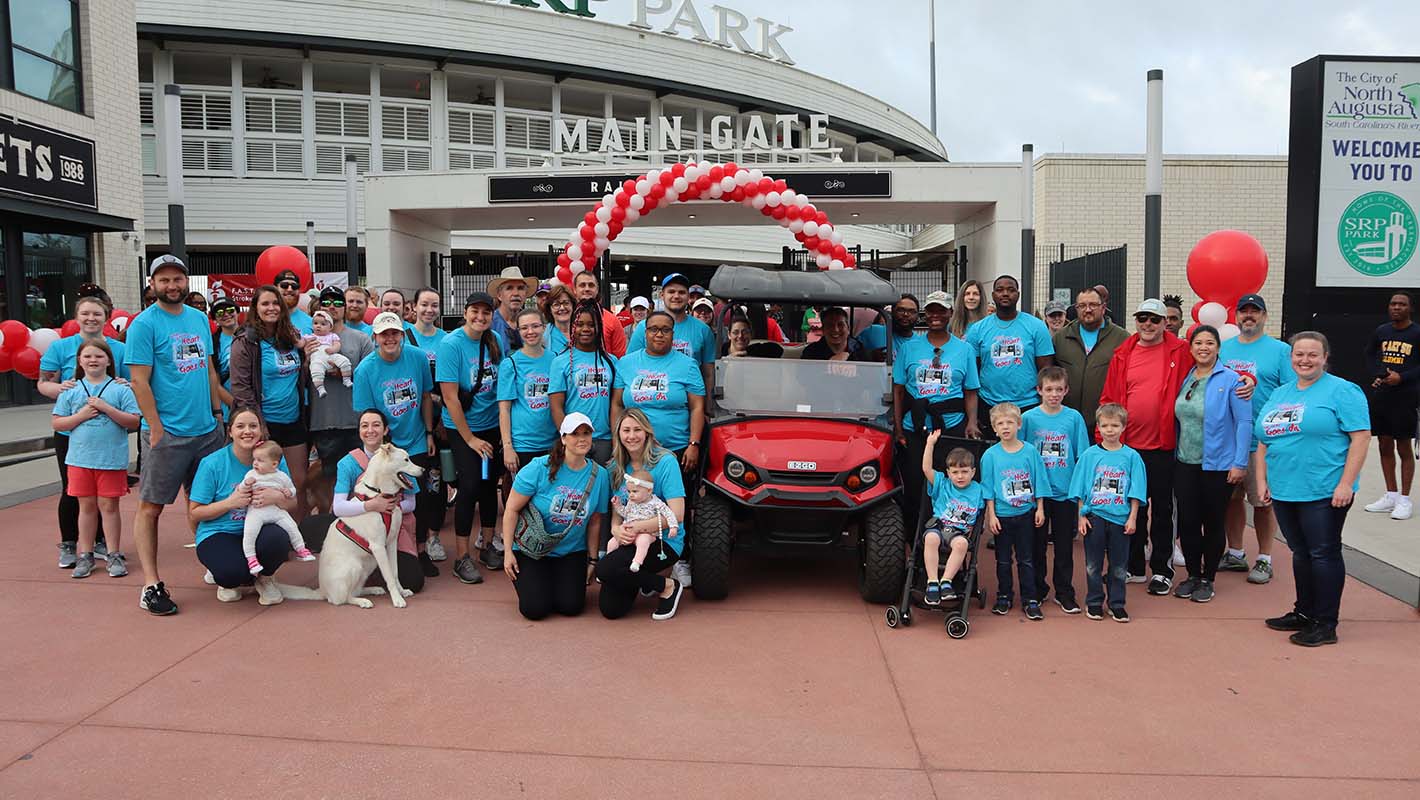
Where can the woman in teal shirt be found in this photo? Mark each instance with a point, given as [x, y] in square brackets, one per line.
[667, 386]
[266, 368]
[583, 379]
[1312, 434]
[524, 412]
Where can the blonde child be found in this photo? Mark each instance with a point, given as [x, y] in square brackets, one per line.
[265, 472]
[642, 503]
[1015, 482]
[957, 500]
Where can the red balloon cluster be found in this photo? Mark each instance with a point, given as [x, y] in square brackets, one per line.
[15, 352]
[1224, 266]
[693, 181]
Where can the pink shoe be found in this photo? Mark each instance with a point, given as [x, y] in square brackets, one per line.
[304, 554]
[253, 566]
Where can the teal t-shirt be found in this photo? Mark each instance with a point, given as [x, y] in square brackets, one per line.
[1267, 360]
[524, 380]
[933, 373]
[348, 471]
[98, 443]
[661, 386]
[1060, 439]
[554, 340]
[1007, 352]
[429, 344]
[1307, 435]
[470, 364]
[1089, 338]
[397, 388]
[301, 321]
[586, 380]
[956, 508]
[670, 485]
[280, 384]
[62, 359]
[692, 337]
[1188, 412]
[217, 477]
[1106, 480]
[361, 327]
[224, 367]
[176, 346]
[565, 500]
[1013, 480]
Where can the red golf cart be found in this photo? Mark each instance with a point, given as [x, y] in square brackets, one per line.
[800, 457]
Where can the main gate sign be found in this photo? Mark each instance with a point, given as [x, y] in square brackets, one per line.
[534, 188]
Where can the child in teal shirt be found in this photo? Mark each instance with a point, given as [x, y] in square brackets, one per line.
[957, 501]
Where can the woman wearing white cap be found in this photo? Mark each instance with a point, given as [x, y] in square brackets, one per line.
[569, 492]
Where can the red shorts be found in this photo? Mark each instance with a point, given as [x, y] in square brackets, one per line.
[85, 482]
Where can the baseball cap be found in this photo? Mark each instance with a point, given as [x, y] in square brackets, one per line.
[1054, 307]
[573, 421]
[287, 275]
[938, 299]
[704, 302]
[386, 321]
[166, 260]
[544, 288]
[1252, 300]
[221, 304]
[676, 277]
[639, 302]
[480, 299]
[333, 292]
[1152, 306]
[698, 289]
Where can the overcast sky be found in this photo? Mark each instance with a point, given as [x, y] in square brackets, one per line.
[1068, 76]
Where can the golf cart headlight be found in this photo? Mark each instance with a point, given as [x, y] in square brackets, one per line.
[735, 468]
[868, 474]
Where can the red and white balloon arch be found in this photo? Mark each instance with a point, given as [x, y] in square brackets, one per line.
[680, 183]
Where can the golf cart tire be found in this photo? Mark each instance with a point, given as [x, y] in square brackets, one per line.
[884, 551]
[714, 538]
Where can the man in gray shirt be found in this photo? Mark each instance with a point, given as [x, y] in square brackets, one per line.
[333, 417]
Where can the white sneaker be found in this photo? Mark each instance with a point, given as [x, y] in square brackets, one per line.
[1178, 557]
[1403, 508]
[226, 595]
[1386, 503]
[1136, 579]
[208, 579]
[435, 548]
[267, 592]
[681, 572]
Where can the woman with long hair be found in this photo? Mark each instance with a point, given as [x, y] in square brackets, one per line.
[373, 431]
[971, 305]
[266, 368]
[583, 378]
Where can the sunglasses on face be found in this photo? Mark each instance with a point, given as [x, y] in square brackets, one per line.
[1152, 319]
[288, 285]
[332, 303]
[222, 312]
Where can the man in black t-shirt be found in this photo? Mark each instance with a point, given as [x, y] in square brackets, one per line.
[1394, 394]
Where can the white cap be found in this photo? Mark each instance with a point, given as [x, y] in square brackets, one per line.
[703, 302]
[639, 302]
[1152, 306]
[386, 321]
[938, 299]
[573, 421]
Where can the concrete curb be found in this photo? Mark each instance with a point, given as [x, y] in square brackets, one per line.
[1381, 576]
[31, 493]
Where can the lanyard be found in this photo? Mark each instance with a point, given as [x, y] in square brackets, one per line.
[85, 383]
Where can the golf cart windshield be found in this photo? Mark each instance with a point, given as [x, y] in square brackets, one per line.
[838, 389]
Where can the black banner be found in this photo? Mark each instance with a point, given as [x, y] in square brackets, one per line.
[523, 189]
[45, 164]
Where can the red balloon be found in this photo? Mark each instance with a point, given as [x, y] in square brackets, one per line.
[614, 229]
[825, 247]
[849, 260]
[703, 183]
[766, 185]
[665, 181]
[69, 328]
[618, 213]
[652, 201]
[587, 232]
[275, 260]
[780, 185]
[732, 168]
[659, 190]
[629, 185]
[563, 260]
[17, 335]
[213, 324]
[1197, 306]
[1226, 265]
[766, 211]
[677, 170]
[801, 236]
[820, 217]
[26, 362]
[792, 212]
[564, 274]
[370, 313]
[839, 251]
[716, 173]
[590, 218]
[623, 200]
[692, 192]
[778, 212]
[111, 332]
[738, 195]
[810, 242]
[7, 361]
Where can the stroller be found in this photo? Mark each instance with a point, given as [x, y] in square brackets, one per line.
[914, 587]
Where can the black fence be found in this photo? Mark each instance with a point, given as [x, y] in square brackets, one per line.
[457, 276]
[1075, 267]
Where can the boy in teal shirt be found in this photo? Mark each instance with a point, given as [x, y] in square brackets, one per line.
[957, 501]
[1059, 435]
[1014, 478]
[1109, 484]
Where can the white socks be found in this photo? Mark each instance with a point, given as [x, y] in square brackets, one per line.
[1265, 558]
[1236, 553]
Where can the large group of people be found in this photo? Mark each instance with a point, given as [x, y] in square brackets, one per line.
[545, 402]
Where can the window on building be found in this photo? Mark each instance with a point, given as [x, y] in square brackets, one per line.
[42, 54]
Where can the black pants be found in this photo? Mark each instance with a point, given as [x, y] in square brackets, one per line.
[1061, 518]
[473, 489]
[552, 584]
[68, 506]
[983, 416]
[432, 501]
[221, 554]
[525, 457]
[1202, 506]
[620, 585]
[1158, 469]
[411, 575]
[1017, 537]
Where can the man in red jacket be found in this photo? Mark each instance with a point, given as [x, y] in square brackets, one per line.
[1144, 376]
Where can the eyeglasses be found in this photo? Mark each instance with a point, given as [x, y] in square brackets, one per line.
[936, 358]
[288, 285]
[1088, 306]
[332, 303]
[1189, 394]
[659, 329]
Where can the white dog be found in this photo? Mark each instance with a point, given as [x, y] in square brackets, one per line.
[354, 546]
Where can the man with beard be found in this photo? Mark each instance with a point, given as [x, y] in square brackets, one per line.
[1083, 348]
[356, 301]
[1011, 347]
[585, 288]
[511, 289]
[175, 383]
[290, 287]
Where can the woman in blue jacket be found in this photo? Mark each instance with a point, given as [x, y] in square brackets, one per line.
[1214, 437]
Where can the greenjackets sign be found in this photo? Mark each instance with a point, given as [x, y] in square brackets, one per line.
[1367, 231]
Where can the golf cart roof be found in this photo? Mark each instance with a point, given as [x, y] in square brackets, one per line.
[839, 287]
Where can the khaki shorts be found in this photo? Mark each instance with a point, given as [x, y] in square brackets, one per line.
[1248, 488]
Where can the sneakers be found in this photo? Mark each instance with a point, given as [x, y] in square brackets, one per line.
[117, 567]
[1315, 635]
[668, 605]
[1033, 611]
[1067, 604]
[948, 593]
[208, 579]
[1160, 585]
[156, 601]
[491, 558]
[1203, 592]
[426, 565]
[83, 565]
[1003, 605]
[1132, 578]
[435, 548]
[1095, 612]
[1385, 504]
[101, 550]
[253, 566]
[681, 572]
[304, 554]
[1177, 559]
[1232, 563]
[1403, 509]
[267, 592]
[1119, 615]
[1290, 621]
[934, 594]
[225, 595]
[67, 555]
[1261, 572]
[1185, 588]
[467, 571]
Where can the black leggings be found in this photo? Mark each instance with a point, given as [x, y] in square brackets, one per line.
[411, 575]
[473, 489]
[620, 585]
[1202, 507]
[431, 502]
[221, 554]
[552, 584]
[68, 506]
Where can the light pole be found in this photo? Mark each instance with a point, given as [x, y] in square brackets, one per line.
[932, 58]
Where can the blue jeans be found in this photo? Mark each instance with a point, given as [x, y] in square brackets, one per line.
[1105, 537]
[1017, 535]
[1313, 532]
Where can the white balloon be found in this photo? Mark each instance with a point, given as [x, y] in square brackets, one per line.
[773, 199]
[653, 177]
[810, 228]
[742, 177]
[643, 187]
[825, 230]
[796, 225]
[601, 243]
[692, 173]
[575, 252]
[1215, 314]
[608, 200]
[120, 324]
[757, 202]
[756, 174]
[578, 267]
[801, 200]
[680, 185]
[785, 222]
[632, 215]
[41, 339]
[601, 229]
[836, 237]
[671, 195]
[787, 196]
[835, 264]
[823, 261]
[715, 192]
[603, 213]
[727, 184]
[638, 201]
[1227, 331]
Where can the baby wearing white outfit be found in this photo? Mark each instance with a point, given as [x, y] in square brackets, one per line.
[265, 459]
[642, 503]
[328, 354]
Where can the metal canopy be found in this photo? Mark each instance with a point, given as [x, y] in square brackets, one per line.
[840, 287]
